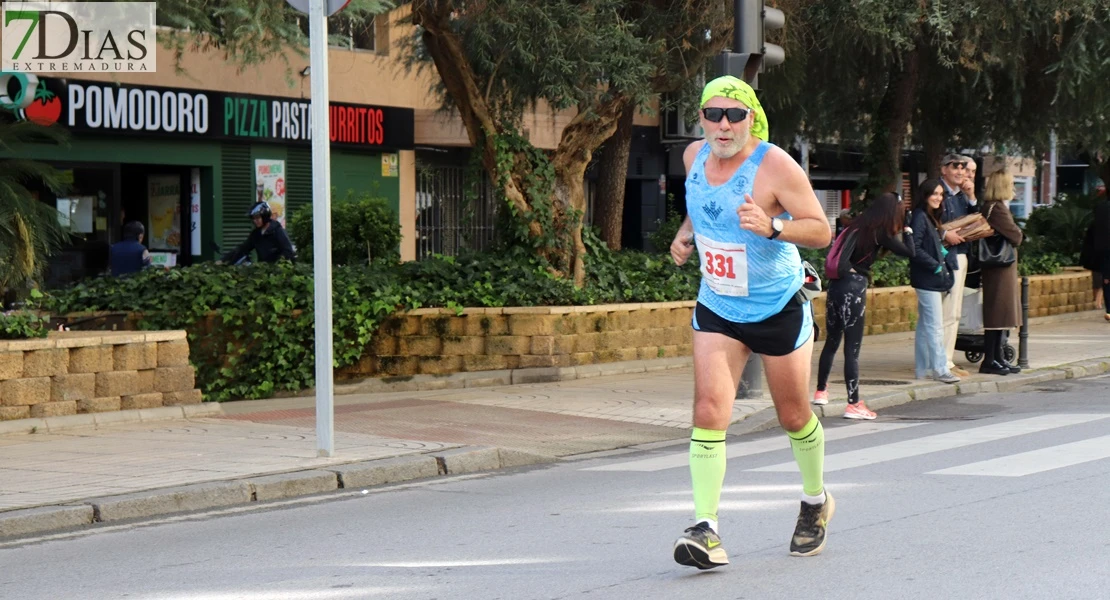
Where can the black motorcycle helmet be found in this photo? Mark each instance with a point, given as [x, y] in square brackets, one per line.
[261, 209]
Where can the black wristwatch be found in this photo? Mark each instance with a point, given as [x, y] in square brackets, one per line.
[776, 228]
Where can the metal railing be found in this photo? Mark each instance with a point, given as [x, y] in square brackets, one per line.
[447, 220]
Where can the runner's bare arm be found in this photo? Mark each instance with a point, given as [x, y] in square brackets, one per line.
[683, 244]
[809, 227]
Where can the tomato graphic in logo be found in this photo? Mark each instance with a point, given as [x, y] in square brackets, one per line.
[45, 109]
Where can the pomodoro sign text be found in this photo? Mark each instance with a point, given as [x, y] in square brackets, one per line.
[147, 110]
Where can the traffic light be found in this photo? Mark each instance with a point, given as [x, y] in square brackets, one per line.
[750, 53]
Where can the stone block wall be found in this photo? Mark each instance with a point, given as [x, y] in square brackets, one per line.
[440, 342]
[94, 371]
[1060, 294]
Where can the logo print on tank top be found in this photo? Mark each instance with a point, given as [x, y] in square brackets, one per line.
[712, 209]
[742, 184]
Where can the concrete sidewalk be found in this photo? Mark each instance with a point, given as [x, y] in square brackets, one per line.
[262, 450]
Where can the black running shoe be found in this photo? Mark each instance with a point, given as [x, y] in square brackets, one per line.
[809, 535]
[700, 547]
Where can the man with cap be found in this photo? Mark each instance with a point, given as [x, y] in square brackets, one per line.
[956, 204]
[750, 206]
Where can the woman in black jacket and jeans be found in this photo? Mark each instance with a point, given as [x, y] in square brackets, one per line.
[931, 275]
[880, 229]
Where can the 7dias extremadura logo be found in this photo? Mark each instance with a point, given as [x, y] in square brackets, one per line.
[78, 37]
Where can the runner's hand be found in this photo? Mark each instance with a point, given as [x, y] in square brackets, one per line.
[682, 247]
[752, 218]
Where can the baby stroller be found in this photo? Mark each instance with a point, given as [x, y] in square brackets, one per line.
[969, 337]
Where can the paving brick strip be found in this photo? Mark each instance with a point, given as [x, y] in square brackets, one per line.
[470, 459]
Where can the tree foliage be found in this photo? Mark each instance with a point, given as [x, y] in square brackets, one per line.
[249, 32]
[498, 59]
[29, 230]
[942, 74]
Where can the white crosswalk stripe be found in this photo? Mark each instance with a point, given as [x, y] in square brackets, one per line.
[1036, 461]
[942, 442]
[682, 459]
[1016, 464]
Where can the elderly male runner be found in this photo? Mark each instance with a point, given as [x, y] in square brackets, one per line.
[749, 206]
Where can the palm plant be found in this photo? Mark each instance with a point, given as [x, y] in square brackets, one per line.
[29, 229]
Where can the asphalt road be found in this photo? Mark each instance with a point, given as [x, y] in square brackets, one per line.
[990, 496]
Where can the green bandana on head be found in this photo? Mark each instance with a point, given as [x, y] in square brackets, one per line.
[735, 89]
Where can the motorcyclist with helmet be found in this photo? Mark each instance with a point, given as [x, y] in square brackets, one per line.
[268, 239]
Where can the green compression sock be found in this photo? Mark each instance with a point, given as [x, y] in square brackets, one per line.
[809, 452]
[707, 470]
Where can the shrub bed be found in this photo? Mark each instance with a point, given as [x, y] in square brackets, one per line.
[251, 328]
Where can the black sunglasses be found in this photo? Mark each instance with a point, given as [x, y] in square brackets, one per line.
[958, 165]
[735, 115]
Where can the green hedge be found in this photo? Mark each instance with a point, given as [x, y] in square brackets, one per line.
[251, 328]
[21, 325]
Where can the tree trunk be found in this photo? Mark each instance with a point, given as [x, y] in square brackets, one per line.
[609, 210]
[891, 122]
[581, 137]
[449, 57]
[934, 153]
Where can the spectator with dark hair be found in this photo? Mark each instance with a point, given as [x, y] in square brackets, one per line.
[1090, 260]
[1100, 232]
[878, 230]
[932, 271]
[129, 255]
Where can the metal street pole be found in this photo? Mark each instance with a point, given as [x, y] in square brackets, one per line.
[321, 226]
[1023, 333]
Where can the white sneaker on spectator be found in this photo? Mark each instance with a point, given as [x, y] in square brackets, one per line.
[947, 378]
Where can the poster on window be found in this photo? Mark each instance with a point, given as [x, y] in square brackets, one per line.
[390, 165]
[164, 208]
[269, 178]
[194, 211]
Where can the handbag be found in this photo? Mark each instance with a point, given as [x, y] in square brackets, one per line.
[996, 251]
[839, 260]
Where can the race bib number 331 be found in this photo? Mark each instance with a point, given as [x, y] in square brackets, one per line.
[724, 266]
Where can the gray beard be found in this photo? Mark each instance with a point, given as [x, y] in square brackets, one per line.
[734, 148]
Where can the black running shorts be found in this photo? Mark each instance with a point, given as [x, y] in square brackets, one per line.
[777, 336]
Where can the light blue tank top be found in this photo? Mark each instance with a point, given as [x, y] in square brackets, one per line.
[774, 268]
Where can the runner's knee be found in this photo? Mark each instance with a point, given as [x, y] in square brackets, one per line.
[713, 411]
[793, 419]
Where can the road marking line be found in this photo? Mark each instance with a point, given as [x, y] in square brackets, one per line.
[1036, 461]
[941, 442]
[682, 459]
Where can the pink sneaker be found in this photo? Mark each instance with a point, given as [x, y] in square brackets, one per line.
[821, 398]
[859, 410]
